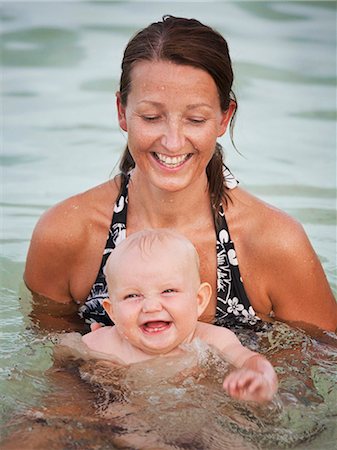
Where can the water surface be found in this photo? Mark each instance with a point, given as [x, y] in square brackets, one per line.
[60, 69]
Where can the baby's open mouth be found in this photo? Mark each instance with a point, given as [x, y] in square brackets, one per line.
[155, 326]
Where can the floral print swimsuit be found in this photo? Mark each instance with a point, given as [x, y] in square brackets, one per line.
[233, 305]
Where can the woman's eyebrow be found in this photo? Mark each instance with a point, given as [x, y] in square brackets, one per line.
[191, 106]
[199, 105]
[150, 102]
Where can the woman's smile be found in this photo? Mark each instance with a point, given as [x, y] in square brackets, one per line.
[171, 162]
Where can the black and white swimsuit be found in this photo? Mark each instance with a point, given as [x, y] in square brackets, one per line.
[232, 301]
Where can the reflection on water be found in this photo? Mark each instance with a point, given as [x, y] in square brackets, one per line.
[60, 69]
[178, 402]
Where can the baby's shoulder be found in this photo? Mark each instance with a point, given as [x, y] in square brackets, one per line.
[97, 340]
[215, 335]
[72, 347]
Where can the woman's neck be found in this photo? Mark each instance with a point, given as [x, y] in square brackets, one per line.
[152, 207]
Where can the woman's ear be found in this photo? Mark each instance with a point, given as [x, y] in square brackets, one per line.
[121, 112]
[107, 305]
[226, 117]
[203, 297]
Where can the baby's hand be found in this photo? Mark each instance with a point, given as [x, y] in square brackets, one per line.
[95, 326]
[247, 384]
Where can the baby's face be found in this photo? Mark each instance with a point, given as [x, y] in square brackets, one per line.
[154, 298]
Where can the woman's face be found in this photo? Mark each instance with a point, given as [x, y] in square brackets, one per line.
[173, 119]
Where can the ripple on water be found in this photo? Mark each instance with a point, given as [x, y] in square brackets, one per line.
[253, 70]
[21, 93]
[176, 403]
[315, 216]
[291, 190]
[99, 85]
[113, 28]
[317, 115]
[41, 46]
[14, 160]
[269, 11]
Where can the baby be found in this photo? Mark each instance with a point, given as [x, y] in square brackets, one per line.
[155, 300]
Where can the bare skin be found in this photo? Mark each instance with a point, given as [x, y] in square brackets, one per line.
[280, 270]
[280, 276]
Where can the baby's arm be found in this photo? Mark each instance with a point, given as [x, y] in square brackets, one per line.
[254, 378]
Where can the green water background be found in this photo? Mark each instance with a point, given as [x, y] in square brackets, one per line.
[60, 64]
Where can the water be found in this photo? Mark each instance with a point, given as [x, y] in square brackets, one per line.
[178, 402]
[60, 69]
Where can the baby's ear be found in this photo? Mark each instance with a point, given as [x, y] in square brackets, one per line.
[107, 305]
[203, 297]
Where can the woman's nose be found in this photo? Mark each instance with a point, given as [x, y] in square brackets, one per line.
[151, 304]
[173, 138]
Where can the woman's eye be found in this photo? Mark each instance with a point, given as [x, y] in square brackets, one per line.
[197, 120]
[150, 118]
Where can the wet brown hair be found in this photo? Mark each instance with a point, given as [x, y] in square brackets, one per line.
[187, 42]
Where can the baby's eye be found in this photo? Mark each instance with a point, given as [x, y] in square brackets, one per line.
[169, 291]
[131, 296]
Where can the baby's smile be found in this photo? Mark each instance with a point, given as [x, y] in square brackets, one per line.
[155, 326]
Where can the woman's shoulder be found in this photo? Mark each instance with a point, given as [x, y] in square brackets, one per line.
[263, 220]
[69, 236]
[267, 236]
[72, 216]
[281, 270]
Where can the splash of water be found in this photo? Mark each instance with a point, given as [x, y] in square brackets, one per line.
[178, 402]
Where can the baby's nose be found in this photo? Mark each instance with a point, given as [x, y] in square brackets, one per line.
[151, 304]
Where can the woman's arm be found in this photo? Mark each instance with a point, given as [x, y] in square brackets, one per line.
[49, 265]
[65, 254]
[50, 315]
[282, 273]
[298, 288]
[51, 255]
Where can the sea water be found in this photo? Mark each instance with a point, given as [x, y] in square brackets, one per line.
[60, 69]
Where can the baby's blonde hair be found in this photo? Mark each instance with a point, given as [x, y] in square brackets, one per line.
[146, 239]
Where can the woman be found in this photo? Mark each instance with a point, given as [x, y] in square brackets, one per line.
[174, 101]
